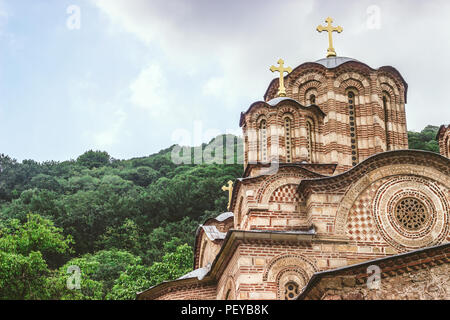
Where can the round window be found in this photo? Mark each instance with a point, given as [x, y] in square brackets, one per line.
[411, 213]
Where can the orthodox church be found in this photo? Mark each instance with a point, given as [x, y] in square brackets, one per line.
[332, 204]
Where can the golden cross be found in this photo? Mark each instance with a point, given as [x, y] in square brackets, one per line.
[230, 192]
[281, 69]
[330, 29]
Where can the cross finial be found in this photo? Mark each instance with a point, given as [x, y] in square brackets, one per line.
[230, 192]
[281, 69]
[330, 29]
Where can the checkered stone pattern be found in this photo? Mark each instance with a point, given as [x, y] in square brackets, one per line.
[285, 194]
[360, 224]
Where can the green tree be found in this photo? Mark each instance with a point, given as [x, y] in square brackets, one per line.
[24, 254]
[138, 278]
[424, 140]
[98, 273]
[94, 159]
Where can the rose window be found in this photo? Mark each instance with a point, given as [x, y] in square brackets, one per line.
[411, 213]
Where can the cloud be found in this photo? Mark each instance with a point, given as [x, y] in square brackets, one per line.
[231, 41]
[149, 91]
[4, 17]
[223, 49]
[111, 136]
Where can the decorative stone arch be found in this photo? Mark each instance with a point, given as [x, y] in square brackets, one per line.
[279, 263]
[356, 85]
[229, 292]
[387, 88]
[353, 79]
[288, 110]
[387, 80]
[270, 185]
[311, 86]
[357, 188]
[257, 114]
[309, 79]
[289, 267]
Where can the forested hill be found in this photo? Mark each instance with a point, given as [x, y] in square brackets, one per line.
[112, 215]
[126, 224]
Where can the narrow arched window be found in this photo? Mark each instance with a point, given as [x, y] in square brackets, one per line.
[288, 138]
[291, 290]
[262, 137]
[352, 121]
[310, 96]
[386, 119]
[238, 215]
[310, 139]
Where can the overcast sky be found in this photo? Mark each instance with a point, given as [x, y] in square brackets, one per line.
[137, 71]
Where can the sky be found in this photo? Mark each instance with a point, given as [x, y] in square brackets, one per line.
[132, 77]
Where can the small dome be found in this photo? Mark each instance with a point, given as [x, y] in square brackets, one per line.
[334, 62]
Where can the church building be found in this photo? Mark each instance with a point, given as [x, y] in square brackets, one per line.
[332, 204]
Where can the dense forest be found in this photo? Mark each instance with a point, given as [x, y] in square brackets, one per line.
[102, 228]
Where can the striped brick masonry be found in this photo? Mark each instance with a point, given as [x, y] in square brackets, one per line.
[346, 192]
[443, 136]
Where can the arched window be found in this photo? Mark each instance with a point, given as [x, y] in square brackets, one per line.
[386, 102]
[238, 215]
[288, 138]
[447, 150]
[352, 117]
[262, 143]
[310, 96]
[291, 290]
[202, 253]
[310, 139]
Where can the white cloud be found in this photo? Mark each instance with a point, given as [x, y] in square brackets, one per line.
[111, 136]
[149, 90]
[214, 86]
[4, 17]
[228, 46]
[224, 39]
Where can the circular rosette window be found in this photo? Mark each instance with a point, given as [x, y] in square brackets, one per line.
[411, 212]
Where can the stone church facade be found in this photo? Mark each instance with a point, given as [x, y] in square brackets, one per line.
[345, 194]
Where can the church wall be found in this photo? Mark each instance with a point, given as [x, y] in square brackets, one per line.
[190, 293]
[258, 269]
[271, 202]
[208, 251]
[226, 286]
[430, 283]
